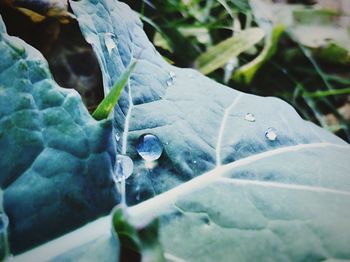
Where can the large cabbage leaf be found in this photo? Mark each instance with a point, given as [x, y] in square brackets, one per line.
[56, 161]
[222, 190]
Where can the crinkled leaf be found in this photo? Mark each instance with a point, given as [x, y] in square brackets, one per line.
[56, 160]
[239, 196]
[94, 242]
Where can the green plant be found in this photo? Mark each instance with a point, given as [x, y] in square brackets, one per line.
[241, 177]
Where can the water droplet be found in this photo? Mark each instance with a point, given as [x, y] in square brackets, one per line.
[249, 117]
[194, 162]
[4, 221]
[110, 44]
[149, 147]
[117, 137]
[171, 79]
[123, 168]
[271, 134]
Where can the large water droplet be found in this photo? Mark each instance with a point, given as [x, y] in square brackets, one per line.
[123, 168]
[249, 117]
[271, 134]
[149, 147]
[171, 79]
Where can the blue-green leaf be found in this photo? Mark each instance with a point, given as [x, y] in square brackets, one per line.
[56, 161]
[241, 177]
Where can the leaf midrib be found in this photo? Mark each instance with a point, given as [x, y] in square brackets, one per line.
[167, 198]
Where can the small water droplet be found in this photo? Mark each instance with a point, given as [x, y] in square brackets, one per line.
[110, 44]
[194, 162]
[171, 79]
[123, 168]
[149, 147]
[249, 117]
[169, 83]
[117, 137]
[271, 134]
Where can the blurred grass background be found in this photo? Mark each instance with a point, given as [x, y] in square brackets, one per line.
[304, 58]
[296, 50]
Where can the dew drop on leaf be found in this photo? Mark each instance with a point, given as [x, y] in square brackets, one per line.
[249, 117]
[123, 168]
[149, 147]
[271, 134]
[171, 79]
[110, 44]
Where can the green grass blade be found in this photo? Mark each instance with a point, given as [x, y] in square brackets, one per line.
[247, 72]
[333, 92]
[218, 55]
[106, 106]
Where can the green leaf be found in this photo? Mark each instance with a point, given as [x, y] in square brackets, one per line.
[332, 92]
[56, 161]
[218, 55]
[105, 108]
[247, 72]
[221, 189]
[94, 242]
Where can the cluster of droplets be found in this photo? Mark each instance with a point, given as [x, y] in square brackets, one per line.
[148, 147]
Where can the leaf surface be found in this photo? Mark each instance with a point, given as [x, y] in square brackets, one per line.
[221, 189]
[56, 160]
